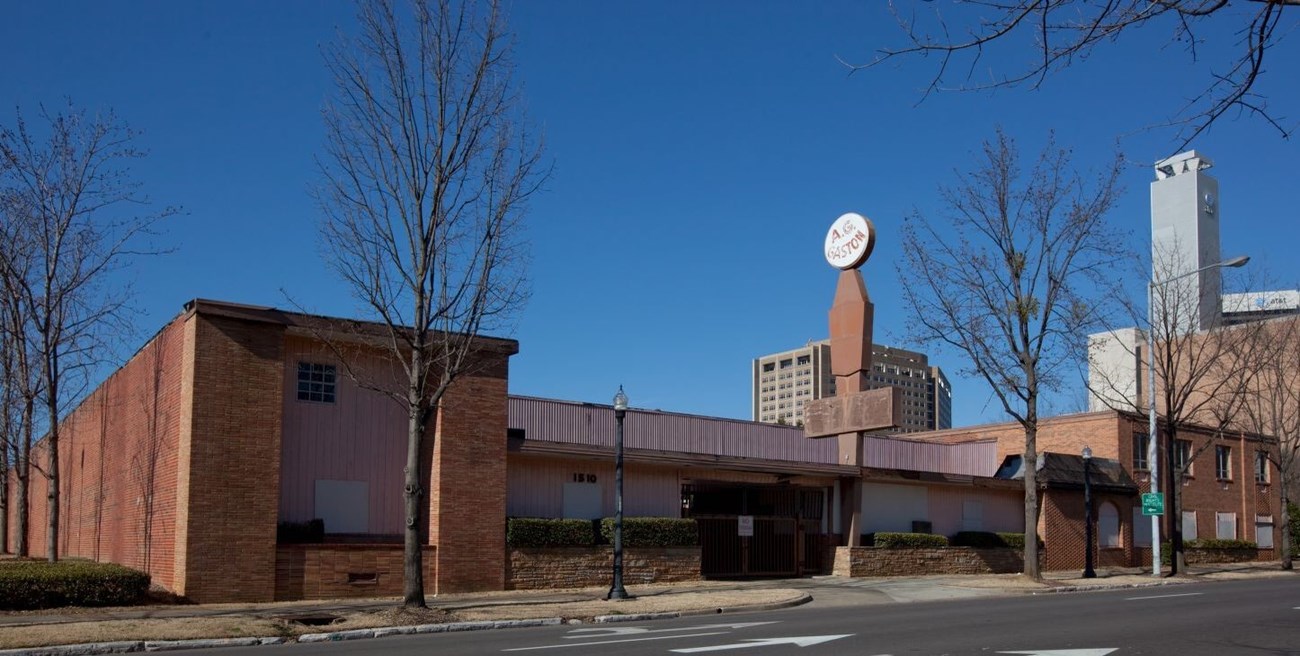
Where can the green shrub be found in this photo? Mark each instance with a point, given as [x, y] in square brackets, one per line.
[33, 584]
[1015, 540]
[653, 532]
[312, 531]
[909, 540]
[534, 532]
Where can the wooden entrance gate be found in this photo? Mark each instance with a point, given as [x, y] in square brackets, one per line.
[786, 537]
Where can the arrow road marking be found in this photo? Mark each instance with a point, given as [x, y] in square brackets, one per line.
[611, 631]
[1064, 652]
[1168, 596]
[802, 641]
[571, 645]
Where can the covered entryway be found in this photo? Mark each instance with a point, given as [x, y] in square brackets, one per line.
[758, 530]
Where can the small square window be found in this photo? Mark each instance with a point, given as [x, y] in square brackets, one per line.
[316, 382]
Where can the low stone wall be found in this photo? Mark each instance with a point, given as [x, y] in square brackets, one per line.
[1201, 555]
[581, 567]
[877, 561]
[334, 571]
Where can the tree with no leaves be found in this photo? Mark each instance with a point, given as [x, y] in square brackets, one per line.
[1009, 279]
[959, 34]
[426, 175]
[72, 207]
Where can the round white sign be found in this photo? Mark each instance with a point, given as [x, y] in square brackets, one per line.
[850, 240]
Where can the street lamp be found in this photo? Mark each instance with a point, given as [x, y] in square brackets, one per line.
[1088, 571]
[616, 591]
[1152, 451]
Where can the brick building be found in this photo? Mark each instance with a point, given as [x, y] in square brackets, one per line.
[233, 419]
[1232, 490]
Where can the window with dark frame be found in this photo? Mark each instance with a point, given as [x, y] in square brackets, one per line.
[1183, 456]
[1223, 463]
[1141, 443]
[1261, 466]
[316, 382]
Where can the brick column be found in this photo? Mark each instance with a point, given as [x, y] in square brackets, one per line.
[228, 487]
[467, 490]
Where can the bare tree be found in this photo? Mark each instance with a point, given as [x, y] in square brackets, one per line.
[1008, 279]
[426, 175]
[1272, 407]
[959, 34]
[80, 202]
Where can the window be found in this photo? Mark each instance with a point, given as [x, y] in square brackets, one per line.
[1261, 467]
[1264, 531]
[1189, 525]
[1141, 528]
[1225, 526]
[787, 363]
[1223, 463]
[316, 382]
[804, 359]
[1108, 526]
[1183, 456]
[1141, 443]
[769, 366]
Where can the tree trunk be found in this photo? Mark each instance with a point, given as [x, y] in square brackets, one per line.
[1032, 568]
[23, 469]
[413, 560]
[1286, 527]
[4, 489]
[1174, 483]
[52, 471]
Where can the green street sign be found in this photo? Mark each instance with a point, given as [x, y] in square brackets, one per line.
[1153, 503]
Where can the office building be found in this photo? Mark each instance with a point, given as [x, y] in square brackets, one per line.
[782, 383]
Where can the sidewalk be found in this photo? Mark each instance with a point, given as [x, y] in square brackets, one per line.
[173, 627]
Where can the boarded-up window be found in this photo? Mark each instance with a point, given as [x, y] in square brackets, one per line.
[1189, 525]
[1108, 525]
[1141, 528]
[1264, 531]
[1225, 526]
[343, 505]
[582, 501]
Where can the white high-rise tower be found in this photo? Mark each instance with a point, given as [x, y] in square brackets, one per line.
[1185, 237]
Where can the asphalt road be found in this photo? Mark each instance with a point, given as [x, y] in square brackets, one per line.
[1222, 618]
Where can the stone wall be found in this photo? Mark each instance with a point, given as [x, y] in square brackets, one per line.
[335, 571]
[876, 561]
[581, 567]
[1201, 555]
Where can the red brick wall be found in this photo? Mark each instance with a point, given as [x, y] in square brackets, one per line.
[1064, 531]
[467, 497]
[877, 561]
[337, 571]
[119, 463]
[233, 444]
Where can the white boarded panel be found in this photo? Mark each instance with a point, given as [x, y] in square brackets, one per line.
[344, 505]
[892, 507]
[582, 501]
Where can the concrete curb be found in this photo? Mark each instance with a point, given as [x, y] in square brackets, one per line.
[803, 598]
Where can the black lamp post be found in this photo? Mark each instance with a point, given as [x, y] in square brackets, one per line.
[1088, 572]
[616, 591]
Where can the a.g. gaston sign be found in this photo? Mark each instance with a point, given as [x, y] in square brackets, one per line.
[850, 241]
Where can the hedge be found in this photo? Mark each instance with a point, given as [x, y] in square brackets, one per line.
[909, 540]
[533, 532]
[653, 532]
[34, 584]
[1211, 543]
[1293, 524]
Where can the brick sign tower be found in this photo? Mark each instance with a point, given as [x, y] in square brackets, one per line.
[854, 409]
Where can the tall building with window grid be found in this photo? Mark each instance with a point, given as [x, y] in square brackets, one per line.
[782, 383]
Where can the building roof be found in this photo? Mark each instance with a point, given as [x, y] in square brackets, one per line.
[1065, 471]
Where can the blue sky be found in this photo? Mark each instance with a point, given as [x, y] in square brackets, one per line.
[701, 149]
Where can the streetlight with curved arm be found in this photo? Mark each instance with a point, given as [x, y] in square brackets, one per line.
[1152, 451]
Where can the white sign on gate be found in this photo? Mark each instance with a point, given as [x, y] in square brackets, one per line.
[745, 526]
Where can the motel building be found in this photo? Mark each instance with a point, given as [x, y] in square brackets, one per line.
[234, 421]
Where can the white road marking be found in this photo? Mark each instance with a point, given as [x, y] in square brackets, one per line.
[1064, 652]
[1168, 596]
[802, 641]
[571, 645]
[610, 631]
